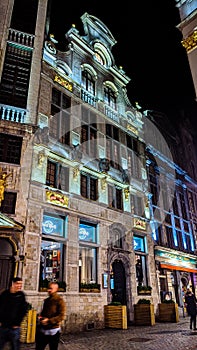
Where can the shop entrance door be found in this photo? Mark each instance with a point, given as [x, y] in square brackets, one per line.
[119, 291]
[6, 263]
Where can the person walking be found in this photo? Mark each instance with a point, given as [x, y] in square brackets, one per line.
[190, 302]
[50, 318]
[13, 308]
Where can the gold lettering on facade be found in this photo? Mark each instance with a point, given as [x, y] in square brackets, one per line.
[132, 129]
[64, 83]
[190, 42]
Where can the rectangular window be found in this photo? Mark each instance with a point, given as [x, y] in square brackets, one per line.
[87, 253]
[9, 203]
[10, 148]
[15, 76]
[115, 197]
[51, 264]
[52, 250]
[137, 205]
[113, 146]
[88, 132]
[140, 260]
[60, 117]
[89, 187]
[57, 176]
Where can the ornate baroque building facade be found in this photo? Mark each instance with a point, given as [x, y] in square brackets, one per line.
[80, 174]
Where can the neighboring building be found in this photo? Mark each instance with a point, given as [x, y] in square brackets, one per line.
[75, 200]
[174, 212]
[188, 27]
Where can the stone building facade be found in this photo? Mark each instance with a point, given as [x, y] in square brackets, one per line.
[76, 202]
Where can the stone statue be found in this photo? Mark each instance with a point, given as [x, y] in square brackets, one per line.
[3, 178]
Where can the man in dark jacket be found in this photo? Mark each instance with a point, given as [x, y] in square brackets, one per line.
[13, 307]
[51, 316]
[190, 301]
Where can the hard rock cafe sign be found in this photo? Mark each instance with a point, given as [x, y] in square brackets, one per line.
[140, 224]
[57, 198]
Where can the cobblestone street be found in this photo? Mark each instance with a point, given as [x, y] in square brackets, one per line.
[161, 336]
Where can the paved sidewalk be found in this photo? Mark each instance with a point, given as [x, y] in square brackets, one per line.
[161, 336]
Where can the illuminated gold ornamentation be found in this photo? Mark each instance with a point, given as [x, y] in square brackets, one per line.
[57, 198]
[131, 128]
[126, 193]
[3, 184]
[64, 83]
[138, 223]
[103, 183]
[75, 173]
[190, 42]
[41, 157]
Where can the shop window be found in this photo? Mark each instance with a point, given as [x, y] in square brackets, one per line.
[87, 253]
[140, 260]
[51, 266]
[51, 258]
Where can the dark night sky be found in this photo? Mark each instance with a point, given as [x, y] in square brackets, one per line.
[148, 47]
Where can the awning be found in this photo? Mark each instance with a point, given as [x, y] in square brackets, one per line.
[8, 223]
[179, 268]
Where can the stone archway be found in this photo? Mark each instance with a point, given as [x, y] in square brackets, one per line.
[119, 266]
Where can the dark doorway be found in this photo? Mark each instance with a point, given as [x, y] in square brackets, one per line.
[119, 291]
[6, 263]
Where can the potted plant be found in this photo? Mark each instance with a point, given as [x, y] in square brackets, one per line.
[115, 315]
[168, 311]
[144, 313]
[144, 290]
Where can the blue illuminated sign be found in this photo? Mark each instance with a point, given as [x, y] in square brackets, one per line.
[139, 243]
[52, 225]
[87, 233]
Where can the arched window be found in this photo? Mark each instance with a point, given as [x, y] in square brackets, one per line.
[110, 97]
[88, 82]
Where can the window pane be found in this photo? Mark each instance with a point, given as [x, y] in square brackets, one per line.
[51, 267]
[141, 274]
[87, 265]
[10, 148]
[51, 174]
[9, 203]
